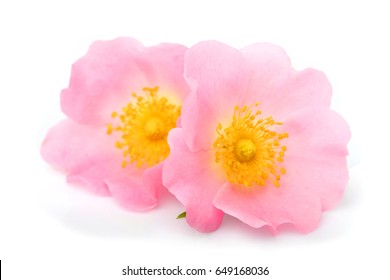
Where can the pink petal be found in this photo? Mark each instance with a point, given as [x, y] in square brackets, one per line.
[80, 151]
[316, 153]
[259, 206]
[316, 130]
[279, 88]
[152, 178]
[103, 80]
[90, 158]
[168, 63]
[269, 64]
[191, 178]
[325, 176]
[131, 192]
[217, 75]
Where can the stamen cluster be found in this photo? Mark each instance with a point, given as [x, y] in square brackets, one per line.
[249, 150]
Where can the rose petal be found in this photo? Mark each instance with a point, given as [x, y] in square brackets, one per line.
[103, 80]
[131, 192]
[313, 131]
[316, 153]
[279, 88]
[152, 177]
[87, 154]
[325, 177]
[168, 62]
[258, 206]
[191, 178]
[217, 75]
[90, 158]
[269, 64]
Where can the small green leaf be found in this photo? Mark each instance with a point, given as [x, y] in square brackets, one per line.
[182, 215]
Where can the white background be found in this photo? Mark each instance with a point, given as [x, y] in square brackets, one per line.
[52, 230]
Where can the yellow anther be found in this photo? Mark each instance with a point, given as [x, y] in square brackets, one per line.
[109, 129]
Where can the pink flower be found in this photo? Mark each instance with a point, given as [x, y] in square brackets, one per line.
[258, 140]
[122, 100]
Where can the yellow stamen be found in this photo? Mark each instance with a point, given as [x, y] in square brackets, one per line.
[109, 129]
[249, 150]
[144, 125]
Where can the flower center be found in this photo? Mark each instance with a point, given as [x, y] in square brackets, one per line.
[154, 129]
[144, 125]
[249, 149]
[245, 150]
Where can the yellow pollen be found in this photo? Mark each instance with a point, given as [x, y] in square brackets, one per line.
[144, 125]
[250, 149]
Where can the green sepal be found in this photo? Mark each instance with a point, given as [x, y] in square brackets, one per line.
[182, 215]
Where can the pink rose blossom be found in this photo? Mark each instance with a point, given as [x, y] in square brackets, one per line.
[258, 140]
[122, 100]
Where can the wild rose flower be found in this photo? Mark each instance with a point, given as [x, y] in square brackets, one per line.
[258, 140]
[122, 100]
